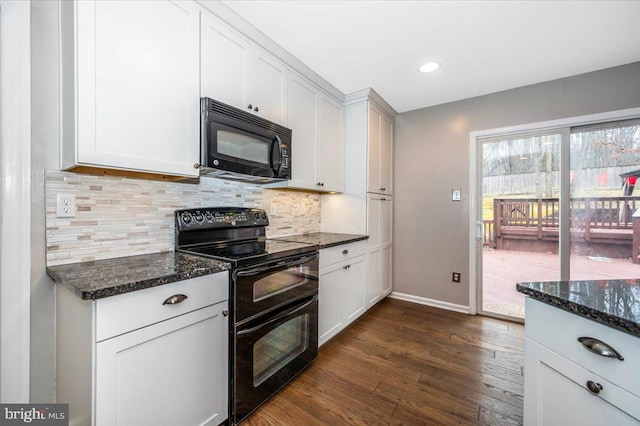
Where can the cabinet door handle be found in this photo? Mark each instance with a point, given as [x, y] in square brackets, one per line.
[250, 106]
[176, 298]
[196, 166]
[345, 251]
[594, 387]
[346, 267]
[225, 313]
[256, 109]
[598, 347]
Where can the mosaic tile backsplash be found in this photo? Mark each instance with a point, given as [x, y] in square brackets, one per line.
[120, 216]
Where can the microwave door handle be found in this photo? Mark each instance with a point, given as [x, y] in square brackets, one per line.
[278, 318]
[276, 170]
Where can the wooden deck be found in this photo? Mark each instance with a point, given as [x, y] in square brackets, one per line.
[600, 226]
[502, 269]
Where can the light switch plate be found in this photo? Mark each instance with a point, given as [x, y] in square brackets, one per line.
[455, 194]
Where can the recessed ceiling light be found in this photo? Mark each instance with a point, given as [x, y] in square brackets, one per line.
[429, 67]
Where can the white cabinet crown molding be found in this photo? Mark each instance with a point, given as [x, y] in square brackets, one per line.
[369, 94]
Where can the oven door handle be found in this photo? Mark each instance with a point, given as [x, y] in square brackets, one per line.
[278, 318]
[258, 270]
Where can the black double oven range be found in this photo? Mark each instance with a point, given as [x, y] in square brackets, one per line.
[273, 299]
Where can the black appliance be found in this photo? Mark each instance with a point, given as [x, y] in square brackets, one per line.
[239, 145]
[273, 299]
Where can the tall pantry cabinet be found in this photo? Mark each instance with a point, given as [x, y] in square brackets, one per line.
[366, 205]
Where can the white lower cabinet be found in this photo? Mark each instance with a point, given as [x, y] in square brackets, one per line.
[380, 247]
[155, 364]
[556, 393]
[566, 384]
[342, 288]
[169, 373]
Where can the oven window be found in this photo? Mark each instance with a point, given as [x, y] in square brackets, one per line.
[278, 347]
[242, 146]
[280, 282]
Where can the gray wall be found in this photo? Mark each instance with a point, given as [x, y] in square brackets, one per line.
[431, 156]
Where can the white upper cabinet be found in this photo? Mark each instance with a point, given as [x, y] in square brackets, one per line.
[330, 145]
[303, 112]
[386, 154]
[380, 151]
[130, 85]
[270, 95]
[316, 121]
[239, 73]
[225, 57]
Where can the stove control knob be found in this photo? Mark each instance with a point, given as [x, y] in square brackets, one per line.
[264, 216]
[198, 217]
[233, 222]
[186, 218]
[256, 215]
[208, 215]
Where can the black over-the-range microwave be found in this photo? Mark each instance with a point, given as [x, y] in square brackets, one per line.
[238, 145]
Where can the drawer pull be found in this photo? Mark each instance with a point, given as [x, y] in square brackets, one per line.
[599, 347]
[176, 298]
[345, 251]
[594, 387]
[225, 313]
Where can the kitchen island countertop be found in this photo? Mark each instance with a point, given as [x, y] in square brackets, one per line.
[109, 277]
[323, 239]
[615, 303]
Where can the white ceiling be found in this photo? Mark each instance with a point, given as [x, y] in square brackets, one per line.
[484, 46]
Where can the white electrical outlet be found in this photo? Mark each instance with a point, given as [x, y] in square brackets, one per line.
[65, 205]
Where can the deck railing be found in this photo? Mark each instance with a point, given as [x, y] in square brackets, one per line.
[540, 216]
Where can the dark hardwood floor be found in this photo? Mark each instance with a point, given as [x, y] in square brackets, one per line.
[408, 364]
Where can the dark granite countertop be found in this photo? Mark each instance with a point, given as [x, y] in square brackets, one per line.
[104, 278]
[323, 239]
[615, 303]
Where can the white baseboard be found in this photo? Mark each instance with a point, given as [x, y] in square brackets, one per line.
[430, 302]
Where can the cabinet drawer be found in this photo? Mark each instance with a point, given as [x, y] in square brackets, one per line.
[557, 393]
[337, 254]
[559, 331]
[120, 314]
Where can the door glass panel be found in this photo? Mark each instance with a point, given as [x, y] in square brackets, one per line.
[605, 163]
[280, 282]
[279, 347]
[520, 218]
[242, 146]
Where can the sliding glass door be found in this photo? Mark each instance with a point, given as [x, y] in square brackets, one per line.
[605, 162]
[555, 205]
[520, 186]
